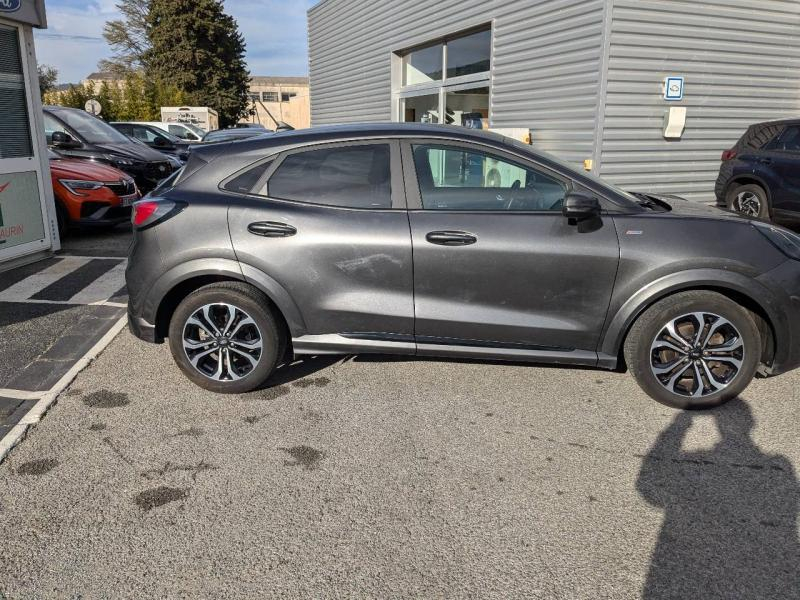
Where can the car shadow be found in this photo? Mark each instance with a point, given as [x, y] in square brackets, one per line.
[730, 514]
[300, 368]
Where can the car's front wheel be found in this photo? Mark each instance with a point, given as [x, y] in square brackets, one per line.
[225, 338]
[749, 199]
[695, 349]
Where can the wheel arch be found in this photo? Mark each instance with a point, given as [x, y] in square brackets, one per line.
[175, 285]
[757, 300]
[749, 179]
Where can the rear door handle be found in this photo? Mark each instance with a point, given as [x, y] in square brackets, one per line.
[765, 160]
[451, 238]
[271, 229]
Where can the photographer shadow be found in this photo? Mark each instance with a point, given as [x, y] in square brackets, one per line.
[730, 514]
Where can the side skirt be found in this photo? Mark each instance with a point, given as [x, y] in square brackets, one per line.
[372, 344]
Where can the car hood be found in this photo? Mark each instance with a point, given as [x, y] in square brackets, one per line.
[134, 151]
[66, 168]
[681, 206]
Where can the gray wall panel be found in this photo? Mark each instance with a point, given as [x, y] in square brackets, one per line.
[545, 70]
[741, 61]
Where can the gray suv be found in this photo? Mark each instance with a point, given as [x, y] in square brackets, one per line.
[443, 241]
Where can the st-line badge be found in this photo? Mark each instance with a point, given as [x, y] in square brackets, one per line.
[10, 5]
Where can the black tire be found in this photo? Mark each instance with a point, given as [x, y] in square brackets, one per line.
[641, 357]
[246, 299]
[750, 199]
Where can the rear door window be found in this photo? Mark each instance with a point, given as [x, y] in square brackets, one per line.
[787, 141]
[356, 176]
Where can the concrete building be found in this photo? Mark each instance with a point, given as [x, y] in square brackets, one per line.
[276, 99]
[28, 226]
[593, 80]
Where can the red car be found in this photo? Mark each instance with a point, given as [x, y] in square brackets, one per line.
[90, 194]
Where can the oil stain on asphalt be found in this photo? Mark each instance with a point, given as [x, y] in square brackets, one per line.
[319, 382]
[155, 497]
[303, 456]
[106, 399]
[37, 467]
[274, 393]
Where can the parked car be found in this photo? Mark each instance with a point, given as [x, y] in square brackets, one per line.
[445, 241]
[155, 137]
[188, 132]
[90, 194]
[229, 135]
[250, 126]
[77, 134]
[759, 176]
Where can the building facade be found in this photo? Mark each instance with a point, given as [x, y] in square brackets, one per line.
[588, 78]
[279, 99]
[28, 225]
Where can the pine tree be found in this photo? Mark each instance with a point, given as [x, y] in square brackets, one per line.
[198, 49]
[127, 37]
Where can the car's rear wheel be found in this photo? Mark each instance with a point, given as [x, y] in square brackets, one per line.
[225, 338]
[694, 350]
[749, 199]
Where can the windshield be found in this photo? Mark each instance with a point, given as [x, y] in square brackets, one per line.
[90, 128]
[194, 128]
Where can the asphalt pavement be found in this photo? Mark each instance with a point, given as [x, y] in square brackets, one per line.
[52, 312]
[373, 477]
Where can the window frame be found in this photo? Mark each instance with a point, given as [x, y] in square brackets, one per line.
[396, 179]
[414, 195]
[440, 87]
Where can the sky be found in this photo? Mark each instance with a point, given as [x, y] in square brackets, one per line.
[274, 31]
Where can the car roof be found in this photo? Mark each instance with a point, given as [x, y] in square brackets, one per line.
[784, 121]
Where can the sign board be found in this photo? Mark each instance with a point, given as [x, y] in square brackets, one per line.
[92, 106]
[673, 88]
[9, 6]
[20, 210]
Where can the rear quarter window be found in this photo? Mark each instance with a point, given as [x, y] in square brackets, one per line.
[345, 176]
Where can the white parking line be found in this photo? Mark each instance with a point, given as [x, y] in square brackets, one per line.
[20, 394]
[30, 286]
[47, 398]
[103, 287]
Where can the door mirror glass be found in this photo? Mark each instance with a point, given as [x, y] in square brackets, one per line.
[579, 207]
[161, 142]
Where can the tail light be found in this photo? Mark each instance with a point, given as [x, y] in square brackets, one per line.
[148, 212]
[728, 154]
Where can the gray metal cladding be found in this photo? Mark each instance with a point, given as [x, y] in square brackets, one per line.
[545, 61]
[741, 61]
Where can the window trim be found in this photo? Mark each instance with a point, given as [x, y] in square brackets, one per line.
[414, 195]
[396, 179]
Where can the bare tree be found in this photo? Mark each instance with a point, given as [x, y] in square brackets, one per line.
[128, 38]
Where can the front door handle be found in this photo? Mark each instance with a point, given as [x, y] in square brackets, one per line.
[271, 229]
[451, 238]
[765, 160]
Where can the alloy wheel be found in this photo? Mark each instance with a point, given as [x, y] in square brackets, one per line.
[748, 203]
[697, 355]
[222, 342]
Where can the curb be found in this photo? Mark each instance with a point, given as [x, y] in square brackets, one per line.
[46, 399]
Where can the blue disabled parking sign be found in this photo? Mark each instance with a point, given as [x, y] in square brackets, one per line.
[673, 88]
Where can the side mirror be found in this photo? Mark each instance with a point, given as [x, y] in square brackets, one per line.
[580, 207]
[161, 142]
[64, 140]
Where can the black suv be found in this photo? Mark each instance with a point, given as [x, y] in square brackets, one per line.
[156, 138]
[77, 134]
[760, 175]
